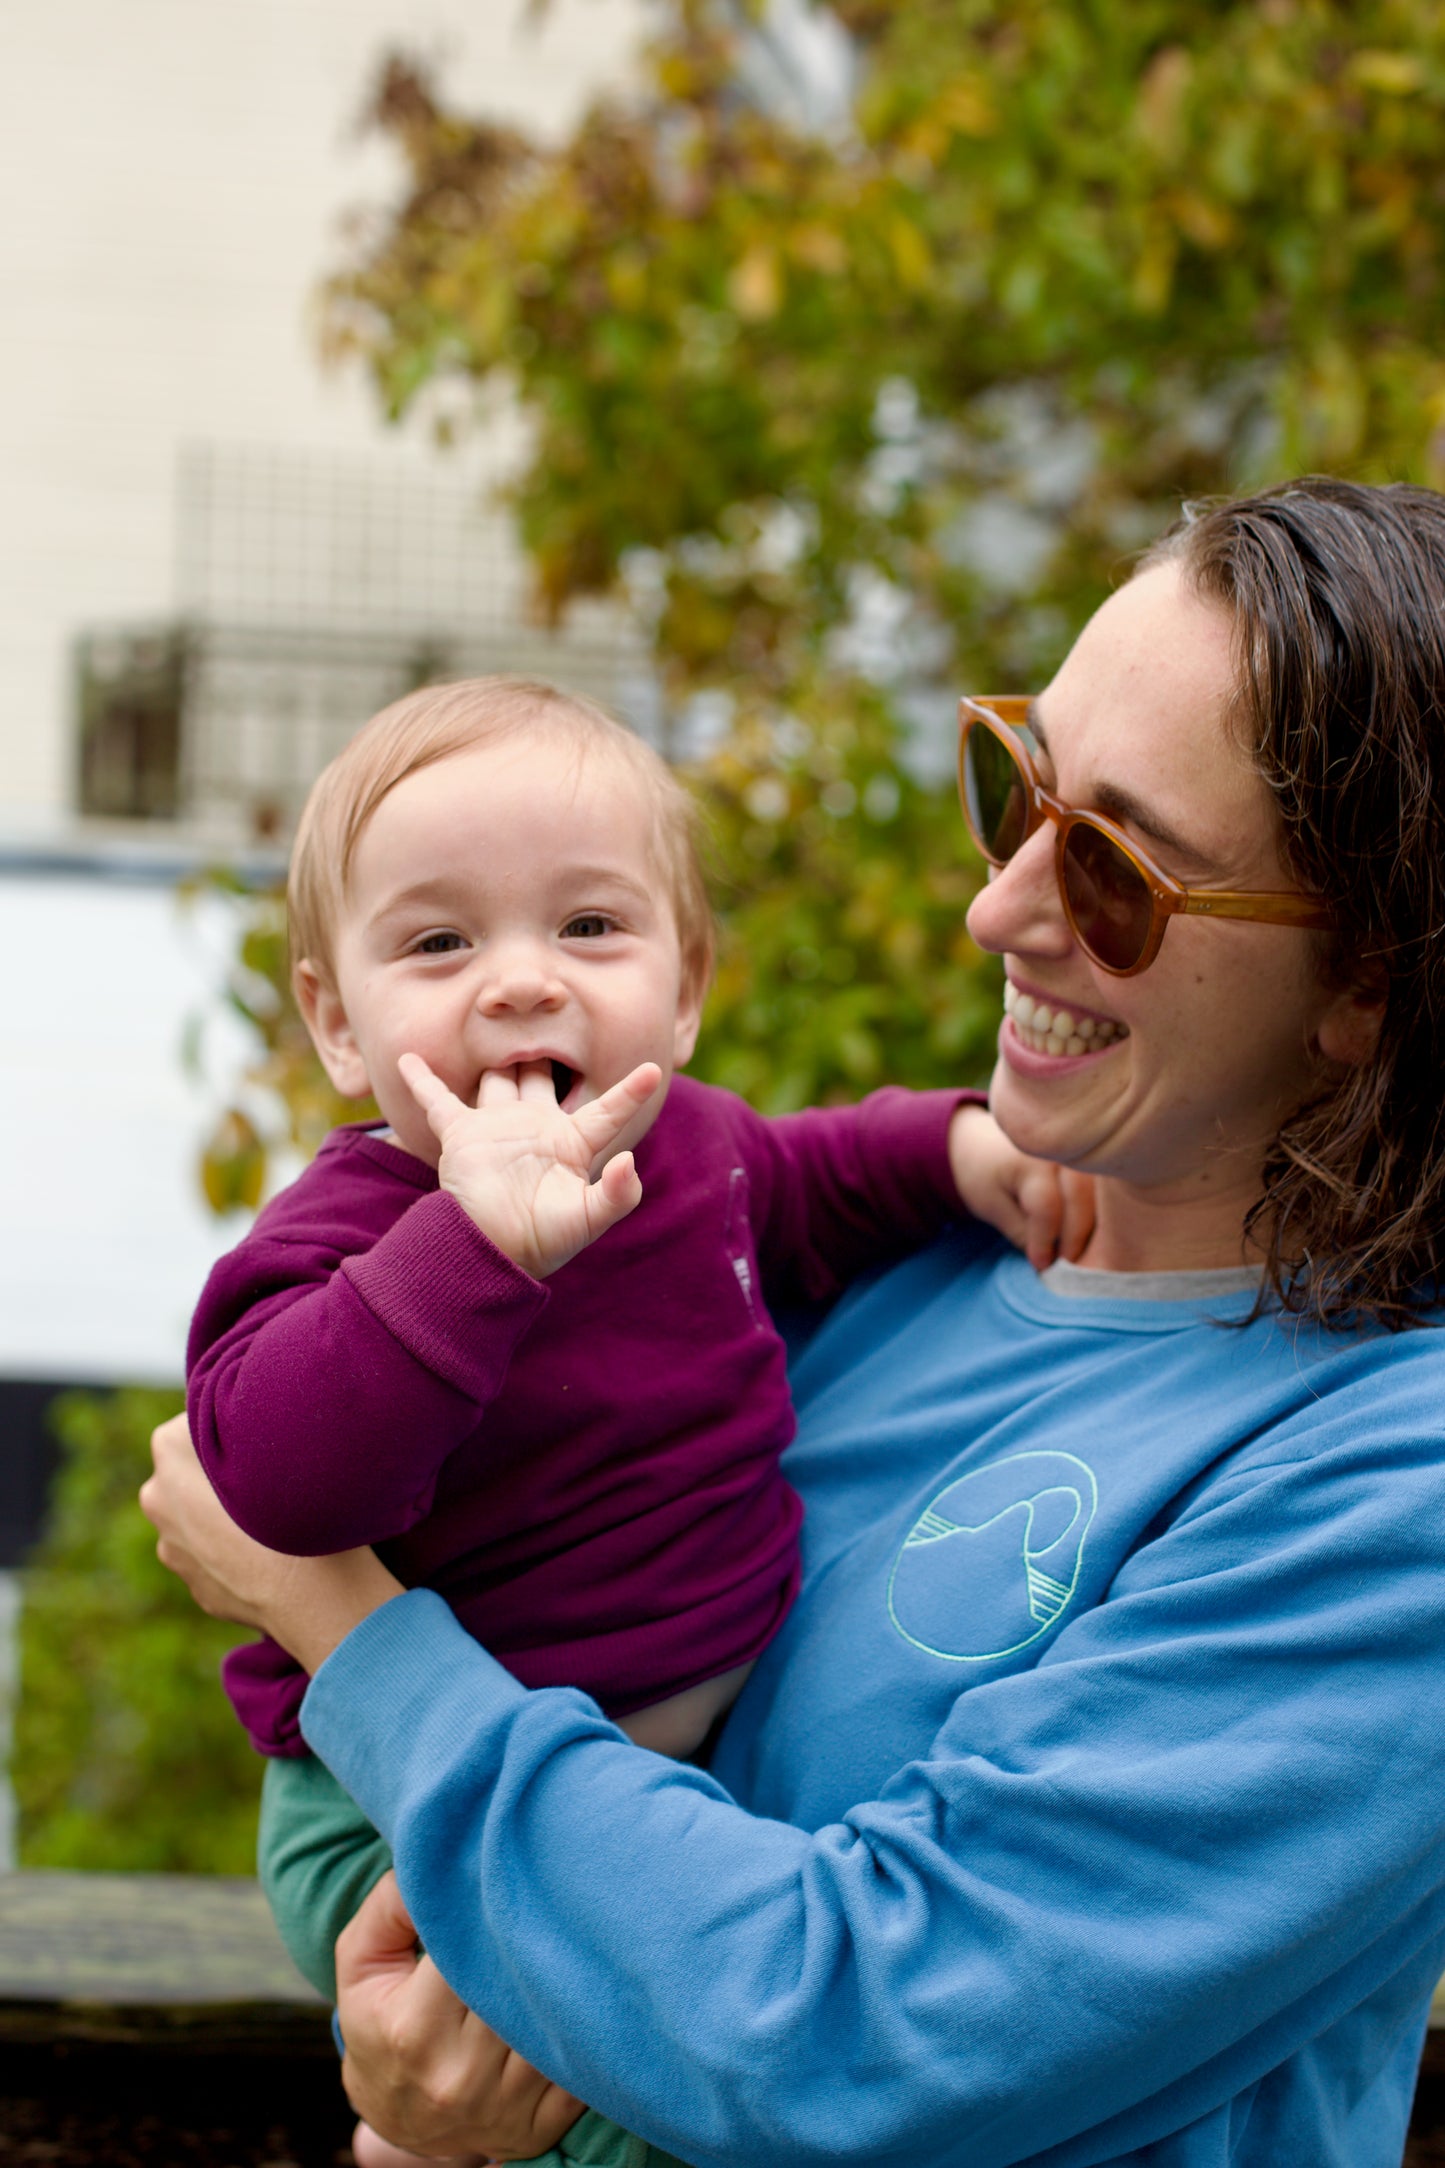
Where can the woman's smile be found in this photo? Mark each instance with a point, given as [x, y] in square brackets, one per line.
[1046, 1027]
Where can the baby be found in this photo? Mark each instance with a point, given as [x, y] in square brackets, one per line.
[501, 933]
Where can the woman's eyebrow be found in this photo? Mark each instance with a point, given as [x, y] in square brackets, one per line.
[1121, 805]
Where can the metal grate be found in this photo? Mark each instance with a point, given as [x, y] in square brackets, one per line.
[266, 536]
[312, 591]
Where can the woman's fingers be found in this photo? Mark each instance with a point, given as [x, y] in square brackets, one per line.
[419, 2066]
[309, 1605]
[194, 1535]
[380, 1938]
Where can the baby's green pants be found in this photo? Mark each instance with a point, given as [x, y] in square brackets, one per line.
[317, 1857]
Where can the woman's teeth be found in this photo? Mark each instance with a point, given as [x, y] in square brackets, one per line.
[1046, 1028]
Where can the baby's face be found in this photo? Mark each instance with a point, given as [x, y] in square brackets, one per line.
[505, 906]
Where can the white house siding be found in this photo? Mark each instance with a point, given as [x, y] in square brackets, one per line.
[172, 176]
[106, 1237]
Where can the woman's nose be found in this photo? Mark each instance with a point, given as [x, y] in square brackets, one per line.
[1019, 911]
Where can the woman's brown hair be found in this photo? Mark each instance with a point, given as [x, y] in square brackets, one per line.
[1337, 592]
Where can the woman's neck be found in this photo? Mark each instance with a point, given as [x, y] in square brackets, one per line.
[1169, 1229]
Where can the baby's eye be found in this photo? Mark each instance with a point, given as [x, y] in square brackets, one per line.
[438, 944]
[589, 926]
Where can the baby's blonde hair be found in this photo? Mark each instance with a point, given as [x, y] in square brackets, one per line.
[440, 720]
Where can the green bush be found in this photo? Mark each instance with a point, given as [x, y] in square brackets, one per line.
[127, 1755]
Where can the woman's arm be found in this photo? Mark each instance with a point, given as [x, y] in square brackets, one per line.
[422, 2068]
[1113, 1893]
[309, 1605]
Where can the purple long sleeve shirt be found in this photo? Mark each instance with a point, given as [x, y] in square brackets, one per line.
[587, 1470]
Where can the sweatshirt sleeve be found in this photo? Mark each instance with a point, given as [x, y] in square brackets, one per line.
[325, 1393]
[1115, 1890]
[840, 1190]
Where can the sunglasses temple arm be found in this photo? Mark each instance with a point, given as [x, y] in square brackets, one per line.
[1280, 909]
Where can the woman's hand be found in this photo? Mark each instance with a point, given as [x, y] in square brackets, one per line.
[420, 2067]
[309, 1605]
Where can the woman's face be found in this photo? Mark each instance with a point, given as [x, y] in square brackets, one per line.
[1216, 1041]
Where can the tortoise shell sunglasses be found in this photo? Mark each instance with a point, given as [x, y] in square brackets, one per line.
[1117, 900]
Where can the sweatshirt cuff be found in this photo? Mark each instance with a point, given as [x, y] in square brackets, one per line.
[906, 1136]
[396, 1698]
[452, 1298]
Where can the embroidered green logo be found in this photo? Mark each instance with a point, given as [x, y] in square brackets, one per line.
[993, 1562]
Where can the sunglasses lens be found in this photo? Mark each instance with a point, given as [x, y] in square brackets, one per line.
[993, 795]
[1108, 897]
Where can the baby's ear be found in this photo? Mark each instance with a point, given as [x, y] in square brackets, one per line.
[687, 1025]
[331, 1033]
[691, 1001]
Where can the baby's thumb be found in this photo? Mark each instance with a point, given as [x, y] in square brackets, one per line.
[619, 1188]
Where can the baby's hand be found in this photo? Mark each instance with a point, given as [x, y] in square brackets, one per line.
[521, 1168]
[1046, 1210]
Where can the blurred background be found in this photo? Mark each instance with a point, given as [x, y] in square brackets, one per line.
[774, 372]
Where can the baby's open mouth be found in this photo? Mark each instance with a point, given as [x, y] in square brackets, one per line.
[563, 1079]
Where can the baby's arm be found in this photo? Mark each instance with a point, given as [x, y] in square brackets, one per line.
[840, 1190]
[1045, 1210]
[326, 1389]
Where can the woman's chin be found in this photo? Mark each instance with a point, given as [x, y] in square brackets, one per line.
[1042, 1109]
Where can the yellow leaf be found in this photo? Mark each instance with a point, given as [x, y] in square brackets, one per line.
[1154, 272]
[1207, 225]
[924, 144]
[966, 108]
[820, 248]
[756, 286]
[911, 256]
[627, 278]
[1161, 98]
[233, 1165]
[1397, 74]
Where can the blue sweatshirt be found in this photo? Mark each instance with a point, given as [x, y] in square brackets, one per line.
[1089, 1808]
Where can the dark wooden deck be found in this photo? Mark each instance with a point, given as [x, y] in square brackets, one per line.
[155, 2021]
[152, 1958]
[148, 2021]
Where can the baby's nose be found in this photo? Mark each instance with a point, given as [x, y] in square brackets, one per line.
[520, 975]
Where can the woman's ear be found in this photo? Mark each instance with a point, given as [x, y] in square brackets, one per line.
[331, 1032]
[1349, 1030]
